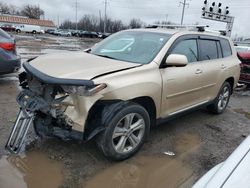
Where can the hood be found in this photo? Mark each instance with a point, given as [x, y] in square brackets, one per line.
[77, 65]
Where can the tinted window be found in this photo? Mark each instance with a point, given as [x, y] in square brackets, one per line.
[226, 48]
[187, 48]
[219, 49]
[208, 50]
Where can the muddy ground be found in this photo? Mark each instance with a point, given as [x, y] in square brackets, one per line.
[176, 154]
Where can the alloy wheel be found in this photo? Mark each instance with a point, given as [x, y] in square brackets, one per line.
[128, 133]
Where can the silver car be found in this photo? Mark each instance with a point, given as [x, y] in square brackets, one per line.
[232, 173]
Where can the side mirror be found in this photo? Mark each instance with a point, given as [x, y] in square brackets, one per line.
[177, 60]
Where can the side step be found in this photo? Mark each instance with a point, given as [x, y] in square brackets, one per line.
[19, 131]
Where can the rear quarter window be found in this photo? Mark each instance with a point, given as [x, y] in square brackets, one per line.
[208, 49]
[226, 48]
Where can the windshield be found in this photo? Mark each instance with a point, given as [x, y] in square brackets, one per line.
[132, 46]
[243, 49]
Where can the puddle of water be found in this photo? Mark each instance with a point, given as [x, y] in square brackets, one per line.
[241, 111]
[143, 172]
[151, 171]
[35, 170]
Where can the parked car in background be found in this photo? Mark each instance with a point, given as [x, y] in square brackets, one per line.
[117, 90]
[8, 28]
[245, 67]
[75, 33]
[64, 33]
[232, 173]
[50, 31]
[103, 35]
[28, 29]
[242, 49]
[9, 60]
[88, 34]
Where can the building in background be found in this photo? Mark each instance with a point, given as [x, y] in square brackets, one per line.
[21, 20]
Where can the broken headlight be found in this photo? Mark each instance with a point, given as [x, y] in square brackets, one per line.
[83, 90]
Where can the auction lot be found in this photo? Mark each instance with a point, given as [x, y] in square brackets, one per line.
[176, 154]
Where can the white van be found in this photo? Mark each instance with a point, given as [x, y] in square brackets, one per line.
[28, 29]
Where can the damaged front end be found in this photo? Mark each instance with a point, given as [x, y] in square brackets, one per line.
[57, 107]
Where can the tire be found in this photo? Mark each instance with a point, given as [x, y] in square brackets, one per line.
[18, 31]
[221, 101]
[34, 32]
[127, 127]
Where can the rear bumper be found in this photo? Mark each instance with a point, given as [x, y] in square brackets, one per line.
[10, 66]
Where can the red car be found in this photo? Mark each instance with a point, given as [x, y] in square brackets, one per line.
[245, 67]
[8, 28]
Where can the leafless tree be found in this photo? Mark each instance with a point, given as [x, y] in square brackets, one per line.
[4, 8]
[136, 23]
[32, 11]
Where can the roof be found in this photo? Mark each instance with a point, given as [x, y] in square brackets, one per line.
[29, 21]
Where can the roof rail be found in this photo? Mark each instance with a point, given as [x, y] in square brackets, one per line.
[200, 28]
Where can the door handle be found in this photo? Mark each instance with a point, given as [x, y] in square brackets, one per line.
[223, 66]
[198, 71]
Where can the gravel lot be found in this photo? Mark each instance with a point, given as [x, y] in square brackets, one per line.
[176, 154]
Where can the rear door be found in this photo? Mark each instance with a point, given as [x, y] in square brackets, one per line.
[215, 61]
[211, 62]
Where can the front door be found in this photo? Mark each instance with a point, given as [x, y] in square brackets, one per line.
[182, 86]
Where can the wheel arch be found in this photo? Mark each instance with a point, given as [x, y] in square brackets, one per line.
[94, 122]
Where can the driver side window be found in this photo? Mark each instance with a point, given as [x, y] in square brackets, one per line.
[188, 48]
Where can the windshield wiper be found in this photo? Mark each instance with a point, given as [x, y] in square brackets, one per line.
[106, 56]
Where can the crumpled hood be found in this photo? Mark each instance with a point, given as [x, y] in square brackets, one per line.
[77, 65]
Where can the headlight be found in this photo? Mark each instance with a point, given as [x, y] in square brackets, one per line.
[83, 90]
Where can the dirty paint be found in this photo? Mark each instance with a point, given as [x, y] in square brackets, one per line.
[34, 170]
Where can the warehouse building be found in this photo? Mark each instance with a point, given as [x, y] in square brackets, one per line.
[21, 20]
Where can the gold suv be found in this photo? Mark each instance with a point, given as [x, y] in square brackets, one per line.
[115, 91]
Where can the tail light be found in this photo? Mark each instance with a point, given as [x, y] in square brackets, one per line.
[8, 46]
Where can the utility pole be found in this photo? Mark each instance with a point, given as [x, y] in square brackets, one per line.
[100, 17]
[105, 16]
[58, 21]
[76, 14]
[184, 4]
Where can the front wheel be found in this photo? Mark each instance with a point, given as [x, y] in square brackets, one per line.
[126, 131]
[220, 103]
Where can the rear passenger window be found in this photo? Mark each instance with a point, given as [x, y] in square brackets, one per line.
[187, 48]
[226, 48]
[208, 49]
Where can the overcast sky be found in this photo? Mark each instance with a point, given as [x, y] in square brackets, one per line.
[147, 10]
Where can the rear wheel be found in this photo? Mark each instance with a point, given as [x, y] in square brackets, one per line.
[126, 132]
[221, 101]
[34, 32]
